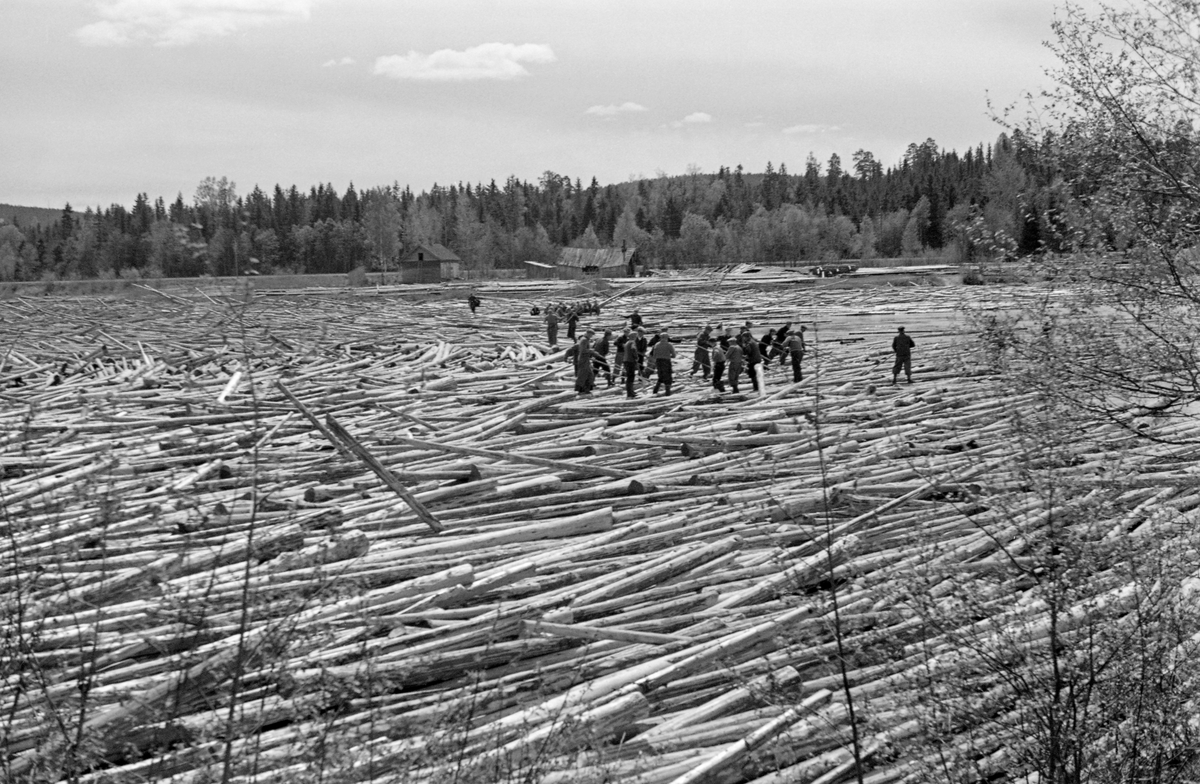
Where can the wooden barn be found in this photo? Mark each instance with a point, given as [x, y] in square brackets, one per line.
[430, 264]
[596, 262]
[536, 270]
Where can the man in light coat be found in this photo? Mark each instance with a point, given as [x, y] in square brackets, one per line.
[663, 352]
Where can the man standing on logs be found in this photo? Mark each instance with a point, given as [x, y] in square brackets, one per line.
[472, 302]
[619, 349]
[663, 353]
[701, 361]
[600, 356]
[572, 322]
[753, 358]
[796, 349]
[585, 375]
[635, 319]
[734, 358]
[718, 360]
[629, 358]
[551, 327]
[779, 348]
[902, 346]
[643, 345]
[765, 344]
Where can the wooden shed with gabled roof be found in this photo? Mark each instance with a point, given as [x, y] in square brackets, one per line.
[596, 262]
[430, 264]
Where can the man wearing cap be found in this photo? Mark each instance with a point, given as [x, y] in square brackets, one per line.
[902, 346]
[753, 357]
[718, 360]
[796, 349]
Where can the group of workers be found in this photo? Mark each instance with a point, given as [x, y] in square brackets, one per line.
[565, 312]
[720, 356]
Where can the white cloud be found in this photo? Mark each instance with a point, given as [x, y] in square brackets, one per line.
[333, 63]
[695, 118]
[179, 22]
[486, 61]
[613, 109]
[810, 128]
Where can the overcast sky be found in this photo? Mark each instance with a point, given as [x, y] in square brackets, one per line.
[107, 98]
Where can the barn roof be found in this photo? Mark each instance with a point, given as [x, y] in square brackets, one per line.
[434, 252]
[594, 257]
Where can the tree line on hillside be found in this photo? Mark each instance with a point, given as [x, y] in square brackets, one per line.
[999, 200]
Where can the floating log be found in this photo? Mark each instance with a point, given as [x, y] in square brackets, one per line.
[562, 465]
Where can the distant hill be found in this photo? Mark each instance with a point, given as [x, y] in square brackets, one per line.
[28, 216]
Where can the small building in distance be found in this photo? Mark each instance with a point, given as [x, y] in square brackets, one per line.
[430, 264]
[538, 271]
[597, 262]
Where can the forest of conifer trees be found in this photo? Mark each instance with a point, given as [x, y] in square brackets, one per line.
[991, 201]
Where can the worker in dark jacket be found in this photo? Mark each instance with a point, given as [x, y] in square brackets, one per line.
[619, 349]
[764, 347]
[551, 327]
[733, 358]
[779, 347]
[572, 323]
[600, 356]
[629, 358]
[585, 376]
[753, 359]
[902, 346]
[663, 353]
[796, 349]
[701, 360]
[643, 346]
[472, 302]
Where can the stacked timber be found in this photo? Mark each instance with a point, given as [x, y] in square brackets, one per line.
[256, 537]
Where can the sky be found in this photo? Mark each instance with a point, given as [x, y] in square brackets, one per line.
[106, 99]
